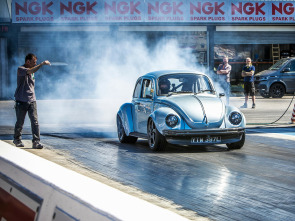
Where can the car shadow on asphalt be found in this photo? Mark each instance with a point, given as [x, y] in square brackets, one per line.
[141, 146]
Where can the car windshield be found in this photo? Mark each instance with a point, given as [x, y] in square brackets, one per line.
[278, 64]
[183, 83]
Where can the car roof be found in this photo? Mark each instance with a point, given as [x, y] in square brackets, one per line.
[288, 58]
[157, 74]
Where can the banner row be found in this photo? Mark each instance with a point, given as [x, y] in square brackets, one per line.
[189, 11]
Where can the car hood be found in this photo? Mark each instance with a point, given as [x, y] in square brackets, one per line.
[197, 110]
[266, 73]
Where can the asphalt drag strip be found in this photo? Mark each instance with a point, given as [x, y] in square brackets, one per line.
[256, 182]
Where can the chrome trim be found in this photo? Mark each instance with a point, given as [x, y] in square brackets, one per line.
[193, 132]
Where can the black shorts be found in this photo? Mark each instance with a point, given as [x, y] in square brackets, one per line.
[249, 88]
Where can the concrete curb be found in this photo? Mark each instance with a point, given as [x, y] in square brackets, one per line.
[51, 192]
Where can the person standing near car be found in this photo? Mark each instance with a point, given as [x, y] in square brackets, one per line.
[25, 100]
[249, 87]
[223, 72]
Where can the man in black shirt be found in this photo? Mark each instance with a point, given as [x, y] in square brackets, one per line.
[249, 87]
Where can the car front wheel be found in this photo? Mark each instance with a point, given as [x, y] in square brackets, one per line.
[123, 138]
[264, 94]
[156, 140]
[277, 90]
[237, 145]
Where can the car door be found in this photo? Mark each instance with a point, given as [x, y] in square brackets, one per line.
[135, 103]
[143, 106]
[289, 76]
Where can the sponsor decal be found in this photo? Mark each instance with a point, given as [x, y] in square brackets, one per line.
[207, 11]
[123, 11]
[282, 12]
[192, 11]
[248, 12]
[165, 11]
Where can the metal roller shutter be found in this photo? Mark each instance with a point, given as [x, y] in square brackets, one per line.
[225, 37]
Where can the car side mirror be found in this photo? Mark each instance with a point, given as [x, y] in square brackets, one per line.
[286, 70]
[221, 94]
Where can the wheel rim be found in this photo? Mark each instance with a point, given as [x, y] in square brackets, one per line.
[152, 133]
[120, 128]
[277, 91]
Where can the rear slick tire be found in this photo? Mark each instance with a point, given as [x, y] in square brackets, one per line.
[123, 138]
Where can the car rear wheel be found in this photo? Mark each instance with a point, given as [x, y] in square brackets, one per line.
[156, 140]
[123, 138]
[236, 145]
[277, 90]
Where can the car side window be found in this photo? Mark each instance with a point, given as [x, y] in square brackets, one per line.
[204, 84]
[292, 66]
[147, 89]
[136, 92]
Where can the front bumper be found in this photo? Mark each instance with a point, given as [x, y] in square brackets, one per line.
[261, 86]
[213, 136]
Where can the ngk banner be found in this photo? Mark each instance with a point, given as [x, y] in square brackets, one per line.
[189, 11]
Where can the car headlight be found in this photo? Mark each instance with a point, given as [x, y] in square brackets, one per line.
[171, 120]
[264, 78]
[235, 118]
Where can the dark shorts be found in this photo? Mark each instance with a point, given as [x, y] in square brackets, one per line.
[249, 88]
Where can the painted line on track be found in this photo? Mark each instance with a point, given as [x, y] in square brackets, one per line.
[283, 136]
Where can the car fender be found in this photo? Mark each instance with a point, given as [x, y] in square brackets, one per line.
[159, 115]
[228, 111]
[125, 113]
[278, 81]
[272, 81]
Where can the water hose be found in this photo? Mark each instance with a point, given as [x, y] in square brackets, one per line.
[278, 118]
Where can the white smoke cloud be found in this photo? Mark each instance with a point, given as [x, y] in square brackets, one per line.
[127, 60]
[104, 70]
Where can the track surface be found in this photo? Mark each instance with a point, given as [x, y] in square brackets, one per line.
[254, 183]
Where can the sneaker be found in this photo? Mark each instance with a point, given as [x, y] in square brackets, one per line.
[37, 145]
[18, 143]
[253, 106]
[244, 106]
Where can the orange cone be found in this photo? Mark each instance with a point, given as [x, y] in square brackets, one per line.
[293, 116]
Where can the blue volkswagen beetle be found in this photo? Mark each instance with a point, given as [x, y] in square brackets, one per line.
[182, 108]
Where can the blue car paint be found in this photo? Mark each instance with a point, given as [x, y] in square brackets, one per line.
[125, 113]
[159, 116]
[217, 116]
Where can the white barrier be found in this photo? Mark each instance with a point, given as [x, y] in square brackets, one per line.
[36, 189]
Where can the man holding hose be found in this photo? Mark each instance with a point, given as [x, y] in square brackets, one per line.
[25, 100]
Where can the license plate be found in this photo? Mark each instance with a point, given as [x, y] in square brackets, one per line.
[208, 139]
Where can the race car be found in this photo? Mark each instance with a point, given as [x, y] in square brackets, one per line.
[181, 108]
